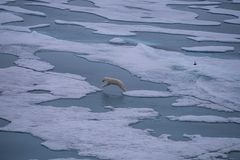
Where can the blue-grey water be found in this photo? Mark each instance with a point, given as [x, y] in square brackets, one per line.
[7, 60]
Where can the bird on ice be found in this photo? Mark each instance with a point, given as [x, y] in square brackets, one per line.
[113, 81]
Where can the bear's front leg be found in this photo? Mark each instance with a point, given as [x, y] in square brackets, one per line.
[107, 84]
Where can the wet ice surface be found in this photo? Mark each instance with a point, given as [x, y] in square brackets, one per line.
[148, 110]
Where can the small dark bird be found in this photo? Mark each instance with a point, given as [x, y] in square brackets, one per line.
[195, 63]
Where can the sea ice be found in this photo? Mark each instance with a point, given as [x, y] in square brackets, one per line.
[210, 84]
[22, 28]
[21, 10]
[34, 64]
[6, 1]
[194, 101]
[108, 135]
[109, 107]
[21, 51]
[207, 82]
[141, 11]
[147, 93]
[53, 1]
[117, 40]
[235, 1]
[6, 17]
[18, 81]
[209, 49]
[217, 10]
[205, 118]
[127, 30]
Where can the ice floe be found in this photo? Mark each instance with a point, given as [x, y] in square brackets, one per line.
[186, 101]
[6, 1]
[109, 107]
[21, 10]
[22, 28]
[217, 10]
[34, 64]
[141, 11]
[205, 118]
[208, 83]
[127, 30]
[21, 51]
[18, 81]
[209, 48]
[147, 93]
[235, 1]
[6, 17]
[108, 135]
[53, 1]
[117, 40]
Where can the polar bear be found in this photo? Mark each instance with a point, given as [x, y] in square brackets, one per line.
[113, 81]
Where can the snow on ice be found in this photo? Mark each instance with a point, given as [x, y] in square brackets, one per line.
[147, 93]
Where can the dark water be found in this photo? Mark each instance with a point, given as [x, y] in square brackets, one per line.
[7, 60]
[39, 91]
[3, 122]
[82, 3]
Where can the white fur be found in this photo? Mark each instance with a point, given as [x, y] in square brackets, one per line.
[113, 81]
